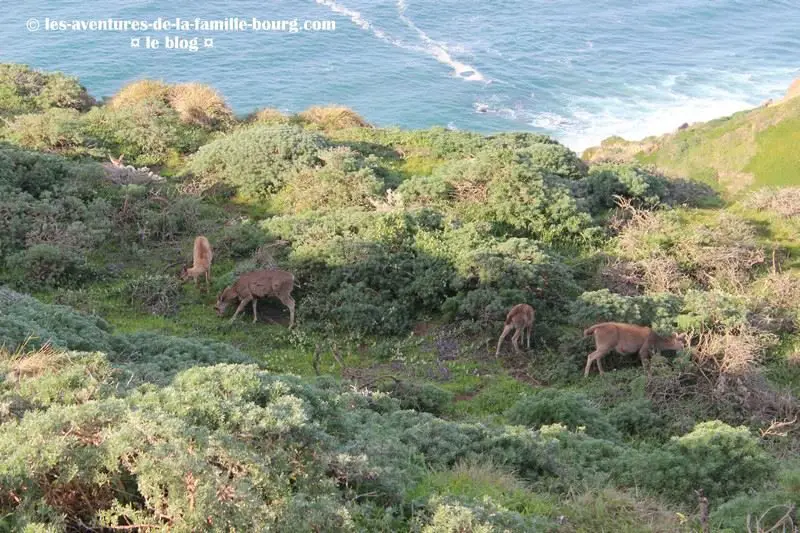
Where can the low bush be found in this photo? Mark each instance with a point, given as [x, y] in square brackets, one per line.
[148, 133]
[201, 105]
[551, 406]
[256, 159]
[47, 265]
[421, 397]
[332, 118]
[56, 129]
[636, 418]
[784, 201]
[269, 115]
[24, 90]
[607, 181]
[346, 179]
[722, 460]
[157, 294]
[239, 240]
[139, 92]
[659, 311]
[447, 515]
[553, 158]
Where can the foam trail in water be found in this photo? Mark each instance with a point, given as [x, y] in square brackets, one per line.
[439, 50]
[365, 25]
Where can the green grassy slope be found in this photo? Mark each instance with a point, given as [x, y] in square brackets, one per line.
[747, 149]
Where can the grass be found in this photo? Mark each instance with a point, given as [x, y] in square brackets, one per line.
[777, 161]
[736, 153]
[475, 479]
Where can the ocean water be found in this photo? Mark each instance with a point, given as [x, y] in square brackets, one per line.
[578, 70]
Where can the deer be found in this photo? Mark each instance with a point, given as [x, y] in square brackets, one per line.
[117, 162]
[201, 259]
[627, 339]
[520, 318]
[258, 284]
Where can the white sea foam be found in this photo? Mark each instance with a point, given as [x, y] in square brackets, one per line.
[435, 49]
[366, 25]
[438, 49]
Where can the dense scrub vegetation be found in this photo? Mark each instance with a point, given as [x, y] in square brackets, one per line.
[125, 402]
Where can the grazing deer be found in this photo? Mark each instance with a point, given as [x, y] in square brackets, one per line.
[117, 162]
[201, 259]
[258, 284]
[626, 339]
[520, 318]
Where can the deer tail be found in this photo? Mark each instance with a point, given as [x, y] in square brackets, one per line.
[590, 330]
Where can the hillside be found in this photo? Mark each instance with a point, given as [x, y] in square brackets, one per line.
[127, 404]
[745, 150]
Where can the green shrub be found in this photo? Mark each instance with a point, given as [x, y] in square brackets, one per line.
[551, 406]
[256, 159]
[584, 459]
[35, 173]
[45, 377]
[156, 358]
[26, 321]
[150, 133]
[24, 90]
[47, 265]
[635, 418]
[347, 179]
[153, 293]
[421, 397]
[609, 180]
[515, 194]
[425, 190]
[659, 311]
[553, 158]
[55, 129]
[451, 515]
[239, 240]
[722, 460]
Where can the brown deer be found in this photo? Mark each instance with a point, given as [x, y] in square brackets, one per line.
[627, 339]
[258, 284]
[201, 259]
[520, 318]
[117, 162]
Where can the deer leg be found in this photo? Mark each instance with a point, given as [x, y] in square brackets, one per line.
[288, 301]
[255, 313]
[502, 337]
[515, 340]
[644, 356]
[592, 357]
[529, 337]
[239, 309]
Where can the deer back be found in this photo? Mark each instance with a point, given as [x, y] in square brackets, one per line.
[202, 251]
[263, 283]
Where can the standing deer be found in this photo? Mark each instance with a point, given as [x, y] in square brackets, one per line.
[201, 259]
[258, 284]
[627, 339]
[520, 318]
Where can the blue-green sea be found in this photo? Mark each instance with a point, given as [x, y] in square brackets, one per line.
[575, 69]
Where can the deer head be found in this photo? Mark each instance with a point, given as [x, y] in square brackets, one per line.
[117, 162]
[224, 299]
[676, 342]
